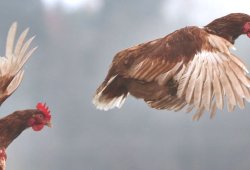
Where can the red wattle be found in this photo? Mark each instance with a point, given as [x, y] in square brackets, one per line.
[248, 34]
[37, 127]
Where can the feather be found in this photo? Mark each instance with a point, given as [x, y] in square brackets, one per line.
[106, 104]
[221, 57]
[226, 86]
[192, 81]
[198, 114]
[150, 67]
[211, 65]
[240, 101]
[164, 103]
[178, 76]
[135, 69]
[138, 69]
[25, 47]
[213, 111]
[219, 43]
[165, 77]
[173, 101]
[24, 60]
[10, 40]
[207, 91]
[15, 83]
[240, 74]
[159, 104]
[158, 68]
[189, 108]
[230, 107]
[20, 41]
[198, 87]
[180, 106]
[103, 101]
[185, 78]
[217, 90]
[234, 80]
[239, 63]
[246, 92]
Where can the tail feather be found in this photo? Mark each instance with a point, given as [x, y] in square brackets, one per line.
[110, 94]
[11, 65]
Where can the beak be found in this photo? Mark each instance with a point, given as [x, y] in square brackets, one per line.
[49, 124]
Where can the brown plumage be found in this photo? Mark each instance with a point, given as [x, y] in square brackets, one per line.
[14, 124]
[192, 67]
[11, 75]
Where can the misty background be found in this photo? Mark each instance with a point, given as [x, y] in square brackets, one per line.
[76, 41]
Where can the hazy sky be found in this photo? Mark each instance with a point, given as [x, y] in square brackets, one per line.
[76, 44]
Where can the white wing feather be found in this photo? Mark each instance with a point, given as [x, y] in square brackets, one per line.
[222, 77]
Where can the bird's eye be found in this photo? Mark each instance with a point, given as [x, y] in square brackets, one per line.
[40, 116]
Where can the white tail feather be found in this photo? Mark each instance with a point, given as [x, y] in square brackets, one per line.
[16, 54]
[103, 103]
[106, 104]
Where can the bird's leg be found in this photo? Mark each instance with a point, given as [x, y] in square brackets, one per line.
[3, 158]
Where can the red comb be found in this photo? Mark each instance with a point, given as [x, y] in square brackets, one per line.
[45, 109]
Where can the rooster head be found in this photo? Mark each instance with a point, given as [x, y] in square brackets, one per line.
[39, 119]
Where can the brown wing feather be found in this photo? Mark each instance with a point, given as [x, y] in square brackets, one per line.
[148, 70]
[149, 60]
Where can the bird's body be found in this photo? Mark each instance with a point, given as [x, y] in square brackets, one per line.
[11, 75]
[192, 67]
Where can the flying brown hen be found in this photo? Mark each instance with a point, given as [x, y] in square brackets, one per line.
[192, 67]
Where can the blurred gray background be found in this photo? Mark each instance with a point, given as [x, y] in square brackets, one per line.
[77, 40]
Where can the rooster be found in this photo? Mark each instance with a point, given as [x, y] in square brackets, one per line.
[11, 75]
[191, 68]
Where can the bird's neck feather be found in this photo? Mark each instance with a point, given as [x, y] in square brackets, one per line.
[229, 32]
[229, 27]
[12, 126]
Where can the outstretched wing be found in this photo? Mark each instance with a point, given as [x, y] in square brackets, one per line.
[11, 65]
[200, 64]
